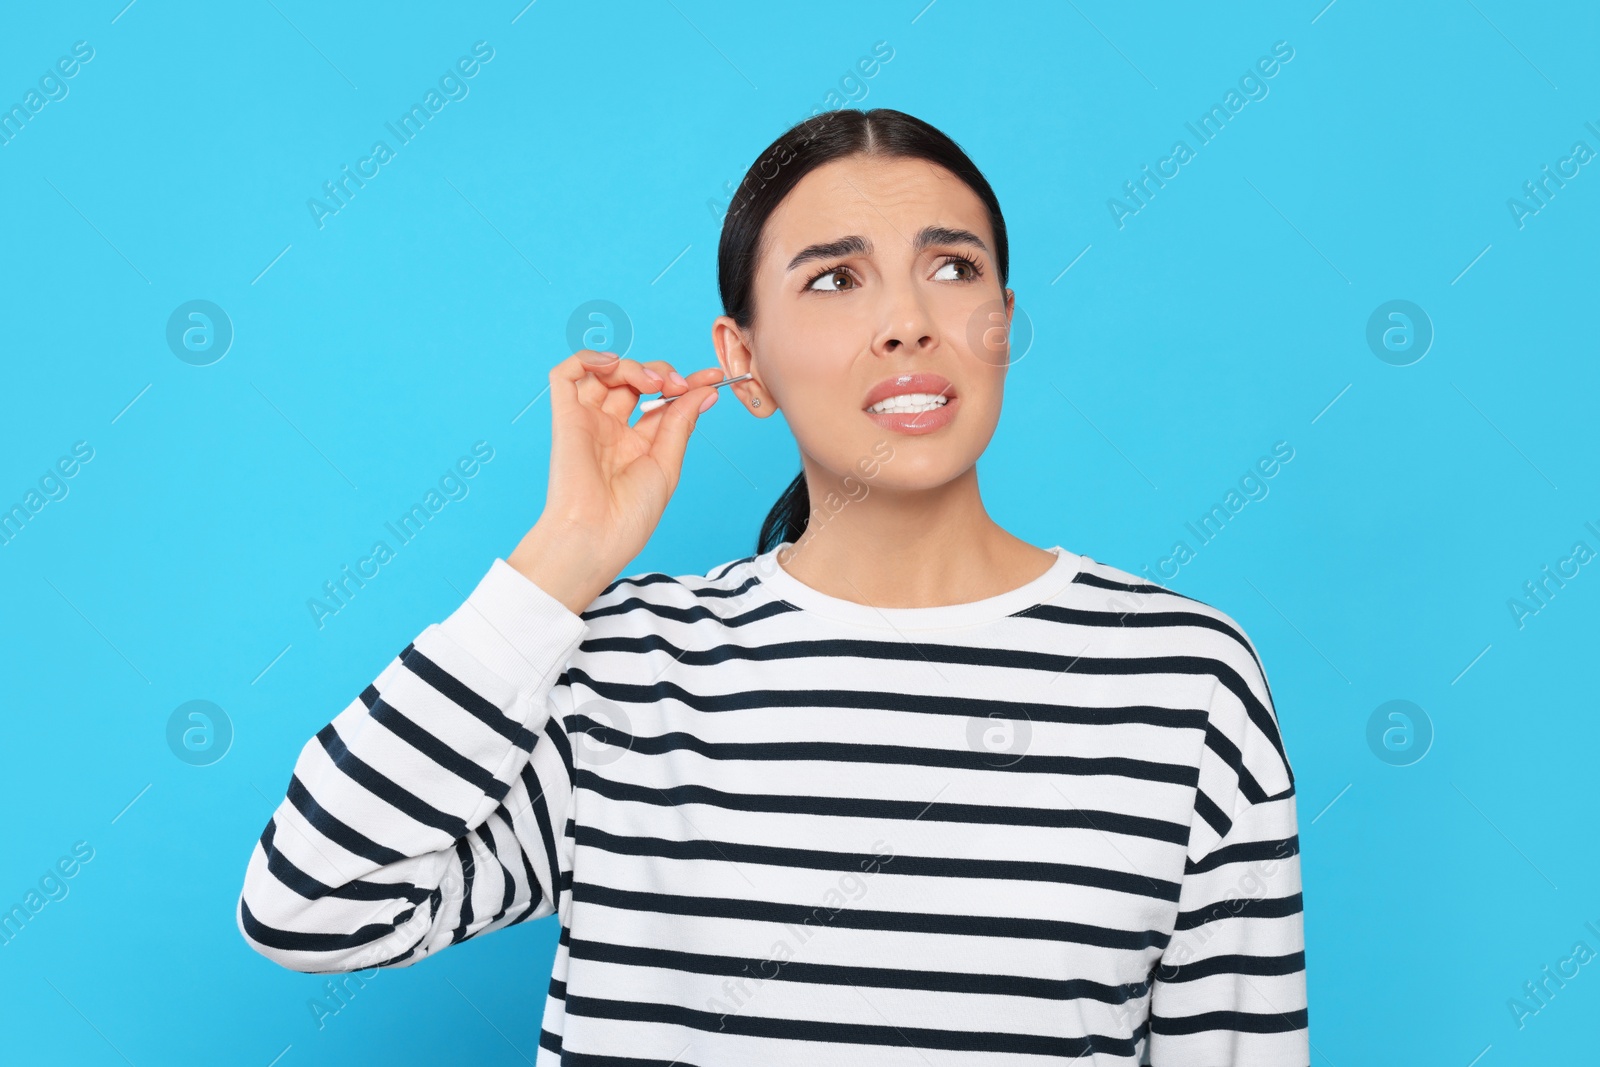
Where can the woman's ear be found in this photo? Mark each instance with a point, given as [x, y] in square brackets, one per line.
[736, 357]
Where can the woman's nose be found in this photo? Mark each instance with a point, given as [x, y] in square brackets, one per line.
[908, 323]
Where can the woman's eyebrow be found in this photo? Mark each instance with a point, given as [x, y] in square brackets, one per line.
[844, 246]
[854, 244]
[943, 235]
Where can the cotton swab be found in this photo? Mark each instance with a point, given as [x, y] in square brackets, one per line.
[650, 405]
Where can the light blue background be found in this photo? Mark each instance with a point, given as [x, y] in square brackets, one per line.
[1228, 314]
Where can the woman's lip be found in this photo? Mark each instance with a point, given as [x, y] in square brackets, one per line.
[918, 382]
[916, 422]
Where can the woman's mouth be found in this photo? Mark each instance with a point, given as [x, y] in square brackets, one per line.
[908, 402]
[912, 403]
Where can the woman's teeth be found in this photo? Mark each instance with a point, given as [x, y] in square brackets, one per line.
[908, 402]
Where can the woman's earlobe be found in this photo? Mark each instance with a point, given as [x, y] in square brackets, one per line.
[759, 407]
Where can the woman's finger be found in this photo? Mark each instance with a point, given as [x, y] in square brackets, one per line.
[609, 384]
[612, 384]
[705, 376]
[620, 400]
[632, 373]
[650, 422]
[674, 423]
[668, 373]
[565, 379]
[610, 370]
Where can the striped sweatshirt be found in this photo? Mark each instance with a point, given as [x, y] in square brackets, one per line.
[782, 828]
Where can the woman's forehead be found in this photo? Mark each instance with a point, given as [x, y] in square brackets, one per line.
[863, 196]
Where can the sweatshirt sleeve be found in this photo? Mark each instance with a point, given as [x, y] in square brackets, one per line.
[1231, 985]
[432, 808]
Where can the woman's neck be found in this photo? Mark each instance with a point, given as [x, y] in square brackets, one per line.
[908, 549]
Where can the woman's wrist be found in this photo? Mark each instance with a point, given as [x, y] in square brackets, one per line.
[568, 563]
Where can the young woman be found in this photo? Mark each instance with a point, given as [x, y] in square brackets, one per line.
[897, 788]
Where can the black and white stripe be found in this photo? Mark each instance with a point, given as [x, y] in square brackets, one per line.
[776, 829]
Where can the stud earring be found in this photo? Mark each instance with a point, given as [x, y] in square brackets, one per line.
[755, 401]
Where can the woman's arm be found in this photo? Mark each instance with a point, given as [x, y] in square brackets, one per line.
[1231, 986]
[432, 808]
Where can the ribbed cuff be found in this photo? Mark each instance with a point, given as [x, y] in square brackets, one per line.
[516, 629]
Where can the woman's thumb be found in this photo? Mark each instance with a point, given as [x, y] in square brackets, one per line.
[677, 423]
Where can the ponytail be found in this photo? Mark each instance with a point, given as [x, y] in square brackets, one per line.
[788, 518]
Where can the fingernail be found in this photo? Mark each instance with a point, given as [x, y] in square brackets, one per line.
[652, 375]
[711, 398]
[679, 380]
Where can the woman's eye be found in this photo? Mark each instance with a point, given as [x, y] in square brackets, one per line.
[966, 271]
[832, 276]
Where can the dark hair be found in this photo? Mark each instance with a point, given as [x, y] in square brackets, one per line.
[802, 148]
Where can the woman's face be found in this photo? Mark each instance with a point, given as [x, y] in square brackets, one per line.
[873, 272]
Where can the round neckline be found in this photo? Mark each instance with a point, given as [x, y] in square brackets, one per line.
[793, 591]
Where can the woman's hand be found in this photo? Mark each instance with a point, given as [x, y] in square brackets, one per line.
[609, 481]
